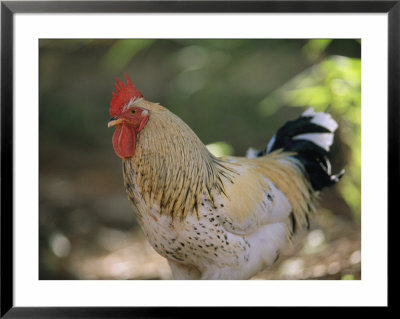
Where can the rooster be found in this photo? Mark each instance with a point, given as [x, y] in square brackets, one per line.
[217, 218]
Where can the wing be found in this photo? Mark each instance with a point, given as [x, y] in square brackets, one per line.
[266, 190]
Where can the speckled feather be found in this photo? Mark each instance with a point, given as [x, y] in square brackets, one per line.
[212, 218]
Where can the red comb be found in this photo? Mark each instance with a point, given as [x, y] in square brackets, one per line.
[124, 95]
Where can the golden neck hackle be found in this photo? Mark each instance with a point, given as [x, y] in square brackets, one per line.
[172, 169]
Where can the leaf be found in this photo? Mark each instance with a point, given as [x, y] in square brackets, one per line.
[315, 47]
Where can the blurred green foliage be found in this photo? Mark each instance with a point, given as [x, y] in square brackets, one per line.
[220, 149]
[347, 277]
[334, 85]
[121, 52]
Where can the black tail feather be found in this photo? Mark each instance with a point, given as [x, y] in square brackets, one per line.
[314, 155]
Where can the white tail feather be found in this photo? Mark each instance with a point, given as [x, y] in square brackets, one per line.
[321, 119]
[252, 153]
[323, 140]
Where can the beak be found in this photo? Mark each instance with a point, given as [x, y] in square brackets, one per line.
[114, 121]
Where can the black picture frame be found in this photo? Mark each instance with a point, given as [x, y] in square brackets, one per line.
[9, 8]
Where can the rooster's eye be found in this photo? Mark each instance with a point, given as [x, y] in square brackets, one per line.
[133, 111]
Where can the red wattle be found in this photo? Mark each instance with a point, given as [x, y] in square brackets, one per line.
[124, 140]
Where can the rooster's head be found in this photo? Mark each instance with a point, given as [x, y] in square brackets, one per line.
[127, 116]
